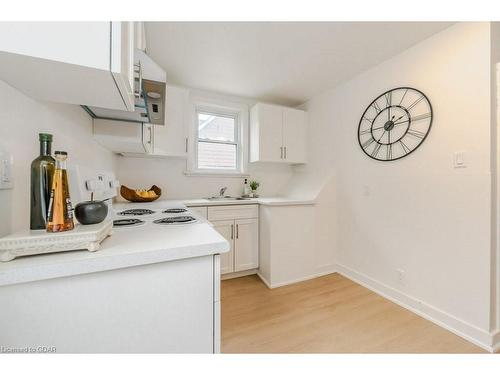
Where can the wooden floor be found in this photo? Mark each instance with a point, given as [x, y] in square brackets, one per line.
[330, 314]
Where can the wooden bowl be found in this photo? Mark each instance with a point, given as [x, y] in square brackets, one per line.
[131, 195]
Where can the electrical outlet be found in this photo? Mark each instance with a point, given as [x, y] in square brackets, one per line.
[401, 276]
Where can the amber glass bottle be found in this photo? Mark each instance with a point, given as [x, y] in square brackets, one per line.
[42, 170]
[60, 217]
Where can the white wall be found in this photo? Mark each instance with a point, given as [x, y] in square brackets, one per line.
[495, 141]
[418, 214]
[21, 119]
[169, 174]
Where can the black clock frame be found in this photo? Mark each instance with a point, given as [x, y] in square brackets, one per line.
[409, 123]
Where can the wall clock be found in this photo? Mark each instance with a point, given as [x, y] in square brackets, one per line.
[395, 124]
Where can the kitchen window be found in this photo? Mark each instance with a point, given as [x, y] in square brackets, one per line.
[217, 141]
[217, 147]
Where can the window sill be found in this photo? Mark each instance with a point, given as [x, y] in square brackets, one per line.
[216, 174]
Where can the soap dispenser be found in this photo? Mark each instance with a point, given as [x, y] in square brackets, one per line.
[246, 189]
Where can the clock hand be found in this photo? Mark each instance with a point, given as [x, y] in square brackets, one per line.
[399, 123]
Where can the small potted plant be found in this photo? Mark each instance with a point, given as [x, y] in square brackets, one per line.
[254, 185]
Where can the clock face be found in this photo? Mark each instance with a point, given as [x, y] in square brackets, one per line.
[395, 124]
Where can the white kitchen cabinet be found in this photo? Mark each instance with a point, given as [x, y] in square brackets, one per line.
[140, 36]
[122, 61]
[237, 211]
[277, 134]
[86, 63]
[266, 133]
[171, 139]
[294, 135]
[226, 230]
[240, 227]
[167, 307]
[147, 140]
[246, 244]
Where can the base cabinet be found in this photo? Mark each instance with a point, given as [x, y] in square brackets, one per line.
[168, 307]
[246, 241]
[240, 228]
[226, 230]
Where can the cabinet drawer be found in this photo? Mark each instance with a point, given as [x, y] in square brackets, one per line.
[233, 212]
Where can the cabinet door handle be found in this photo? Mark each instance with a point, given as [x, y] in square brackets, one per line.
[285, 152]
[186, 145]
[232, 231]
[281, 152]
[237, 231]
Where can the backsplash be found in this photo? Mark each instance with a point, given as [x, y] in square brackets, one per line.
[169, 175]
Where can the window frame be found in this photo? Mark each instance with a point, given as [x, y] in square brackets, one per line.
[238, 111]
[236, 142]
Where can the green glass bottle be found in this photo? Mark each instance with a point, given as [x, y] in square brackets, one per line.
[42, 171]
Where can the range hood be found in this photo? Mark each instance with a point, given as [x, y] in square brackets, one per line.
[150, 87]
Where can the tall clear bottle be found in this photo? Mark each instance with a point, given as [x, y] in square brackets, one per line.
[60, 217]
[42, 170]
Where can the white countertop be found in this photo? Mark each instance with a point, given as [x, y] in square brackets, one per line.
[267, 201]
[135, 246]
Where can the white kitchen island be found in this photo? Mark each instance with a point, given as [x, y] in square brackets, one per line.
[144, 291]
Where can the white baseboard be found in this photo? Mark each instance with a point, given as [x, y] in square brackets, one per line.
[323, 271]
[496, 342]
[264, 280]
[453, 324]
[234, 275]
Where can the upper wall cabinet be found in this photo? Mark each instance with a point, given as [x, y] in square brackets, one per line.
[85, 63]
[147, 140]
[171, 139]
[124, 137]
[277, 134]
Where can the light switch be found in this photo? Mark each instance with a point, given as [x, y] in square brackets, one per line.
[6, 162]
[459, 160]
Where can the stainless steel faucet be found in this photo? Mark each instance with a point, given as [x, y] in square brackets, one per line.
[222, 191]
